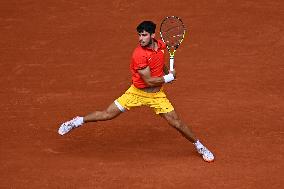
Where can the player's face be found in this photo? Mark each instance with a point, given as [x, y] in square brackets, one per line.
[145, 38]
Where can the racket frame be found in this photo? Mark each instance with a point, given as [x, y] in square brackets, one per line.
[172, 52]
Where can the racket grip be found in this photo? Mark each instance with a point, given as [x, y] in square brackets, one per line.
[172, 60]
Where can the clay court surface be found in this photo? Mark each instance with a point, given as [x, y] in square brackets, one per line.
[63, 58]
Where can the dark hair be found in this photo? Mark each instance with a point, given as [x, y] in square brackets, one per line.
[147, 26]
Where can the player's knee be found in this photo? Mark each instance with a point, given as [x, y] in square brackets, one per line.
[108, 115]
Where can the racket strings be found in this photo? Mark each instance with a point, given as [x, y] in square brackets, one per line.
[176, 31]
[172, 32]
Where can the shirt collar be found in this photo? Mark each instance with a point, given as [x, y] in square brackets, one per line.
[158, 43]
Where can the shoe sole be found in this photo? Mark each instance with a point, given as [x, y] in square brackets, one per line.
[208, 161]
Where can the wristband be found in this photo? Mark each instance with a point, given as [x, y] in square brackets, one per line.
[168, 78]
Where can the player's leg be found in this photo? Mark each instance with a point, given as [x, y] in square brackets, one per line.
[111, 112]
[173, 120]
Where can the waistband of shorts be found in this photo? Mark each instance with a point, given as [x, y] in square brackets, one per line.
[137, 91]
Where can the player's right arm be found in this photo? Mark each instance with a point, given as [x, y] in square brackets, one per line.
[145, 74]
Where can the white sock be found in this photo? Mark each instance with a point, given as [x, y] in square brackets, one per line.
[79, 121]
[198, 144]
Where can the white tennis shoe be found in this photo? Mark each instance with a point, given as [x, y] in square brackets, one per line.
[206, 154]
[69, 125]
[202, 150]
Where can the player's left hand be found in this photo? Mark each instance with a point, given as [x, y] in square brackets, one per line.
[174, 73]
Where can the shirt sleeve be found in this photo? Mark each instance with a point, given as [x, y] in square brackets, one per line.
[139, 61]
[162, 44]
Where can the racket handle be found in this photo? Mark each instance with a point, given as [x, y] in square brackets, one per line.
[172, 60]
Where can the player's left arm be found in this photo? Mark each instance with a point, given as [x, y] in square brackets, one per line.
[167, 71]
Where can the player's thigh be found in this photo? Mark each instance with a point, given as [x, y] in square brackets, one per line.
[112, 110]
[171, 117]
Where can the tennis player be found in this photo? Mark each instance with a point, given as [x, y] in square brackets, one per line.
[149, 74]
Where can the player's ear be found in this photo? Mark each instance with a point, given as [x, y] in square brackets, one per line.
[153, 35]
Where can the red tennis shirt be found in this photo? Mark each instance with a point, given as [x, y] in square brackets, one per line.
[145, 56]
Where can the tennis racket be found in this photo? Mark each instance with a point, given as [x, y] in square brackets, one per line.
[172, 31]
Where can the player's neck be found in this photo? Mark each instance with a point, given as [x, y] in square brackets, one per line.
[153, 45]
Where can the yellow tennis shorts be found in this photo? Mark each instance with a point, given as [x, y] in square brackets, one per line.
[135, 97]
